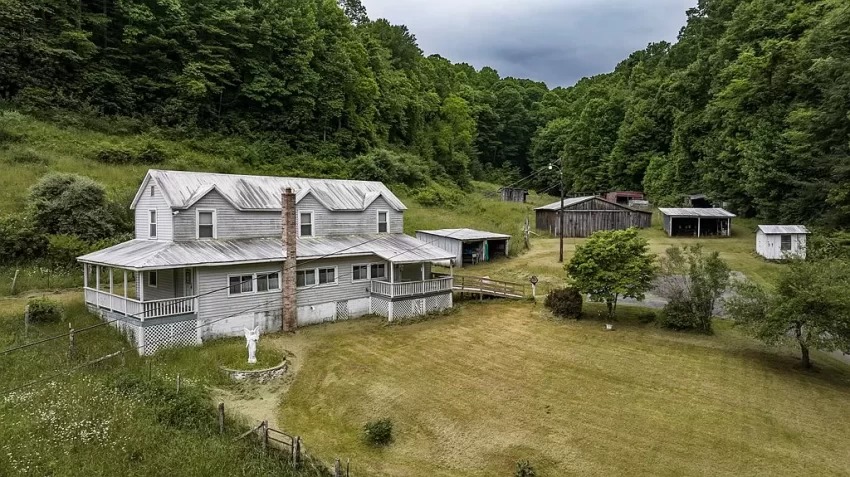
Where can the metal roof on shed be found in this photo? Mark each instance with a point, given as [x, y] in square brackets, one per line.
[182, 189]
[784, 229]
[465, 234]
[713, 213]
[571, 201]
[141, 254]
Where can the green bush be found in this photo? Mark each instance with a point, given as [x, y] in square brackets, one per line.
[678, 315]
[436, 195]
[150, 154]
[63, 250]
[8, 137]
[115, 155]
[20, 241]
[389, 167]
[379, 432]
[647, 317]
[524, 469]
[70, 204]
[29, 156]
[565, 302]
[189, 409]
[44, 310]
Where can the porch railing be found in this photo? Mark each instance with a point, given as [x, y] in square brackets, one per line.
[140, 309]
[402, 289]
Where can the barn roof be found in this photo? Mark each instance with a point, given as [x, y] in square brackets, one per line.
[465, 234]
[182, 189]
[141, 254]
[571, 201]
[783, 229]
[710, 213]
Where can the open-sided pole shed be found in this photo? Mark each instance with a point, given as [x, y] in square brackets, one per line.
[697, 222]
[468, 245]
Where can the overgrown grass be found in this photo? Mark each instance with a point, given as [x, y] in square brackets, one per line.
[37, 278]
[472, 393]
[109, 419]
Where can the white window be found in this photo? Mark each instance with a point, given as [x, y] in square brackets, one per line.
[239, 284]
[305, 278]
[785, 243]
[153, 191]
[327, 276]
[152, 279]
[305, 224]
[268, 281]
[359, 273]
[206, 224]
[152, 223]
[378, 271]
[383, 221]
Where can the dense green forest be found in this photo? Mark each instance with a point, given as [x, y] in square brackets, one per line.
[750, 105]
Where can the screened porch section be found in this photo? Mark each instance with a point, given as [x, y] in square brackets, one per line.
[140, 294]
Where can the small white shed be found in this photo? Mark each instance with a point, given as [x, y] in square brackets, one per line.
[777, 242]
[469, 246]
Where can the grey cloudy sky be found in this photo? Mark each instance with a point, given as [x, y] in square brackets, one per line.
[556, 41]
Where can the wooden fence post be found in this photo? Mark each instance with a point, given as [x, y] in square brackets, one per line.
[347, 467]
[337, 468]
[221, 418]
[14, 281]
[26, 321]
[265, 437]
[296, 456]
[178, 383]
[71, 343]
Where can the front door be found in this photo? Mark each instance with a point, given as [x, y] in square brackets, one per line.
[188, 282]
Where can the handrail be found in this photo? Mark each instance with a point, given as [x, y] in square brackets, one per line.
[419, 287]
[132, 307]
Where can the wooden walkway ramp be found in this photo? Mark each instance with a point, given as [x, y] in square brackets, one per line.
[484, 286]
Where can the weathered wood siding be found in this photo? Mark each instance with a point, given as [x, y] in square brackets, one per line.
[514, 195]
[232, 223]
[215, 303]
[581, 220]
[448, 244]
[164, 224]
[345, 289]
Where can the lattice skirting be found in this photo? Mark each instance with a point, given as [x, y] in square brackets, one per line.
[132, 333]
[412, 307]
[170, 335]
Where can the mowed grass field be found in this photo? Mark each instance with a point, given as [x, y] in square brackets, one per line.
[471, 393]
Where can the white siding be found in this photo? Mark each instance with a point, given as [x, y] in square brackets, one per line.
[448, 244]
[164, 224]
[345, 289]
[230, 223]
[165, 286]
[769, 246]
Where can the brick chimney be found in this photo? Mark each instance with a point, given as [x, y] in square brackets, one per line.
[289, 313]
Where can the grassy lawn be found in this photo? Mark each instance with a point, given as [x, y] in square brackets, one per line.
[472, 393]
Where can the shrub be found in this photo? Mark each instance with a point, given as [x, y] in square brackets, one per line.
[8, 137]
[389, 167]
[73, 205]
[63, 250]
[678, 315]
[29, 156]
[436, 195]
[19, 240]
[524, 469]
[565, 302]
[151, 154]
[647, 317]
[189, 409]
[379, 432]
[115, 156]
[44, 310]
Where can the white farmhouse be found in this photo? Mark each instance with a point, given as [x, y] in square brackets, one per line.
[216, 253]
[778, 242]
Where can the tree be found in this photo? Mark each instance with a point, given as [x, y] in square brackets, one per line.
[809, 305]
[692, 282]
[73, 205]
[613, 264]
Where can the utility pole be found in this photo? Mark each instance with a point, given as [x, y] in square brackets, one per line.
[560, 212]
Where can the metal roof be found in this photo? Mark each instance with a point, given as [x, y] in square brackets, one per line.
[784, 229]
[141, 254]
[182, 189]
[465, 234]
[714, 213]
[571, 201]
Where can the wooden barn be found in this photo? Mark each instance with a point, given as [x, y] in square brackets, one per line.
[624, 197]
[512, 194]
[697, 222]
[585, 215]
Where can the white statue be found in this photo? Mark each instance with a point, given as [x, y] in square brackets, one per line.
[251, 338]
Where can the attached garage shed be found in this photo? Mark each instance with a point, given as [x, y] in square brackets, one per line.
[468, 246]
[585, 215]
[697, 222]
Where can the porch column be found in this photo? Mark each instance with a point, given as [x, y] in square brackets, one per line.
[85, 275]
[111, 290]
[699, 226]
[422, 266]
[97, 278]
[125, 283]
[140, 285]
[392, 273]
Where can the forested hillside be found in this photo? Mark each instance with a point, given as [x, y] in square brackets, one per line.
[749, 106]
